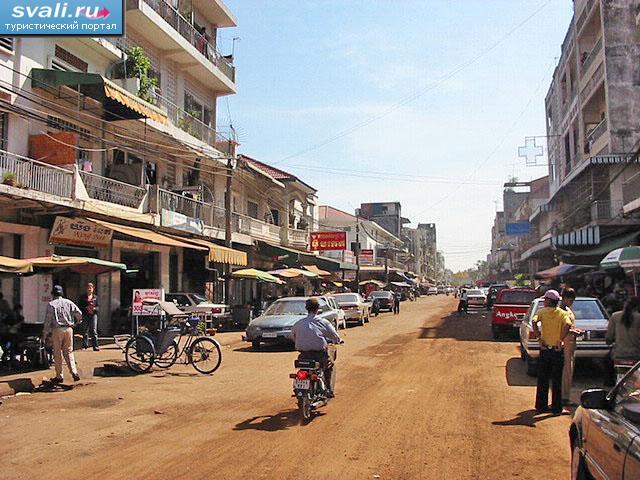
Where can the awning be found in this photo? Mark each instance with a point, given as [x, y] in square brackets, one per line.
[562, 270]
[607, 245]
[401, 284]
[295, 256]
[377, 283]
[255, 274]
[119, 104]
[14, 265]
[293, 273]
[147, 235]
[218, 253]
[316, 270]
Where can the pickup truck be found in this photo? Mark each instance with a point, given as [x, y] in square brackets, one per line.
[509, 309]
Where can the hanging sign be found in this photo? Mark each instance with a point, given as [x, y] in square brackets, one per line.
[321, 241]
[76, 231]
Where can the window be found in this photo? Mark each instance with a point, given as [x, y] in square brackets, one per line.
[6, 43]
[67, 61]
[273, 216]
[252, 209]
[4, 127]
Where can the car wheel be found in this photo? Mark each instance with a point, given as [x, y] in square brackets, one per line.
[255, 345]
[532, 367]
[578, 467]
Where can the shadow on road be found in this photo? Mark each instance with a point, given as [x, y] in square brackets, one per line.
[271, 423]
[473, 326]
[516, 373]
[526, 418]
[20, 385]
[266, 349]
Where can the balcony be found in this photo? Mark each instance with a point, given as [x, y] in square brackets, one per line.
[298, 238]
[30, 174]
[256, 228]
[593, 136]
[591, 57]
[112, 191]
[584, 15]
[168, 30]
[606, 210]
[631, 193]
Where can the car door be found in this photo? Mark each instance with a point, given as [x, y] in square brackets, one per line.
[632, 463]
[609, 435]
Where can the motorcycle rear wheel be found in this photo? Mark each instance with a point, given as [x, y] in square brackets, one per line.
[304, 405]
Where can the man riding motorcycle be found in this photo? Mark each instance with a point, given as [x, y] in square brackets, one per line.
[312, 336]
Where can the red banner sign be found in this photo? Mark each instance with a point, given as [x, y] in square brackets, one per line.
[328, 241]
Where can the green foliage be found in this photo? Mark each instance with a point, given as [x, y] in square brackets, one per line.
[139, 66]
[9, 178]
[520, 280]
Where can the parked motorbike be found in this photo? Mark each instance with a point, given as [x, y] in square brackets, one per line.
[309, 386]
[621, 367]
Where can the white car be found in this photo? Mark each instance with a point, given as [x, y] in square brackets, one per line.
[216, 313]
[591, 317]
[432, 291]
[355, 308]
[341, 320]
[476, 298]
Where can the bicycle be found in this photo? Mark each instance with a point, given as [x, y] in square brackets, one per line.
[163, 348]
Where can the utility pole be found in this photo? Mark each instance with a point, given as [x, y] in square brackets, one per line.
[386, 264]
[358, 254]
[227, 211]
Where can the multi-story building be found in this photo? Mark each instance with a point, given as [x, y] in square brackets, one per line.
[421, 244]
[386, 214]
[593, 136]
[118, 137]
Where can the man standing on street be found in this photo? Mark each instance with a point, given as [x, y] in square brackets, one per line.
[396, 303]
[61, 315]
[312, 335]
[555, 323]
[89, 306]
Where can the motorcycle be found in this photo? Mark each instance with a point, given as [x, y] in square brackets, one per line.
[621, 367]
[309, 386]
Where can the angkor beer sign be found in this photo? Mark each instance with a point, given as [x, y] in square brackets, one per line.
[328, 241]
[75, 231]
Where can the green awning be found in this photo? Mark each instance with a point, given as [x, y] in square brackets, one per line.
[287, 255]
[119, 104]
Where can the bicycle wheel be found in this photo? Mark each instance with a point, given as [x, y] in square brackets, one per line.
[169, 357]
[205, 355]
[139, 354]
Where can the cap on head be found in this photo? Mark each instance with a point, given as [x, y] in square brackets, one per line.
[57, 290]
[552, 295]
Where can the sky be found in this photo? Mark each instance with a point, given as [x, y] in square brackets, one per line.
[424, 102]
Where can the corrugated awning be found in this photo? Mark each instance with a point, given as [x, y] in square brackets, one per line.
[316, 270]
[220, 254]
[119, 104]
[146, 235]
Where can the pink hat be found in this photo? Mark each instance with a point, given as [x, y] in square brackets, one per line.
[552, 295]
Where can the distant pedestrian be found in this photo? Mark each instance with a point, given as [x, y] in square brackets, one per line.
[568, 297]
[555, 323]
[62, 314]
[463, 302]
[396, 303]
[88, 304]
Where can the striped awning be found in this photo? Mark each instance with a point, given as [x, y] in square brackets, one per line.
[220, 254]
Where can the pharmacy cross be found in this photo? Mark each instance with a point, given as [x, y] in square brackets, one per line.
[530, 151]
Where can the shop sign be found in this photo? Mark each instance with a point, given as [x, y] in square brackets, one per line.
[138, 308]
[519, 228]
[328, 241]
[366, 257]
[176, 220]
[75, 231]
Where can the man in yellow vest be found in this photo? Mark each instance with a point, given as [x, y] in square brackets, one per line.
[554, 326]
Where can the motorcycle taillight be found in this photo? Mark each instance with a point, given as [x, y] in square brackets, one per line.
[302, 374]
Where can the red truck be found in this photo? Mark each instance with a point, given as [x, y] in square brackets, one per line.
[509, 309]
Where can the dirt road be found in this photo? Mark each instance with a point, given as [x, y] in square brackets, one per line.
[420, 395]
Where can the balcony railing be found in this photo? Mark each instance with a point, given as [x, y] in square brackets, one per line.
[606, 209]
[596, 133]
[584, 15]
[593, 54]
[188, 31]
[112, 191]
[298, 237]
[256, 228]
[631, 189]
[33, 175]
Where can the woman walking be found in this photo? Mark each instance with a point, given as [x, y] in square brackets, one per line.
[89, 306]
[624, 331]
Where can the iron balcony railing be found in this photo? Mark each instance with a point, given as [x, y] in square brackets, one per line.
[112, 191]
[189, 32]
[30, 174]
[631, 189]
[593, 54]
[606, 209]
[596, 133]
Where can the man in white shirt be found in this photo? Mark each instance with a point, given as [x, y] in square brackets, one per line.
[62, 314]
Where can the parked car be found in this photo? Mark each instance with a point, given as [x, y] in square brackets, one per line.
[432, 291]
[476, 298]
[384, 298]
[605, 432]
[354, 306]
[275, 324]
[509, 309]
[449, 290]
[341, 319]
[493, 293]
[218, 314]
[441, 289]
[590, 317]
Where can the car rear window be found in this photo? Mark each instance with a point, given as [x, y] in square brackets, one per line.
[475, 292]
[346, 298]
[588, 309]
[381, 294]
[522, 297]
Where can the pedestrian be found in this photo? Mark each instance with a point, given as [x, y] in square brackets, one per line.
[624, 331]
[555, 324]
[396, 303]
[88, 304]
[462, 303]
[61, 316]
[568, 297]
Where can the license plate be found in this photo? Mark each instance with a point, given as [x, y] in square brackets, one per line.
[270, 335]
[301, 384]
